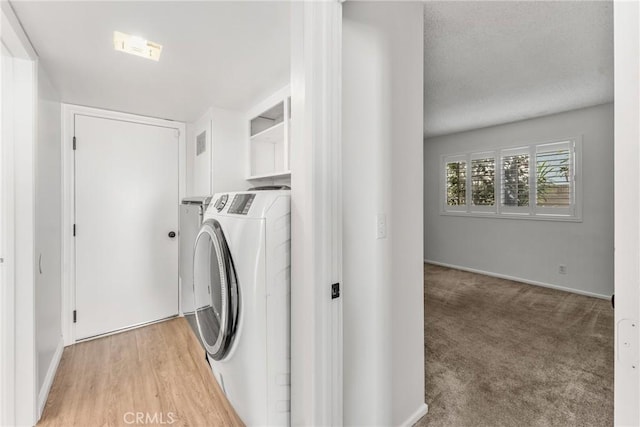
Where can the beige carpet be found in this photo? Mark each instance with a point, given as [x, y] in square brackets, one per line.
[502, 353]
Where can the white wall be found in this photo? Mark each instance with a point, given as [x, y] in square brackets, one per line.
[24, 125]
[382, 174]
[199, 165]
[48, 203]
[529, 249]
[228, 136]
[223, 167]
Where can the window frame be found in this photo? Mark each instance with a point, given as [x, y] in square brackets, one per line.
[547, 210]
[456, 158]
[482, 208]
[571, 213]
[516, 210]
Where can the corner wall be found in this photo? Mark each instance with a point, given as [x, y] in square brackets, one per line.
[525, 249]
[222, 166]
[382, 176]
[48, 236]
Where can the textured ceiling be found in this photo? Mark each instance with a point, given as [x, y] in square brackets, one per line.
[488, 63]
[227, 54]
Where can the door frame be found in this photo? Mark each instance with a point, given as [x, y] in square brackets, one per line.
[69, 111]
[627, 212]
[18, 372]
[316, 213]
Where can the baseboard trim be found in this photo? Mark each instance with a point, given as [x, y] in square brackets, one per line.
[519, 279]
[415, 417]
[126, 329]
[48, 380]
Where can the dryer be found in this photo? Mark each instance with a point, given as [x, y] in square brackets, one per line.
[241, 286]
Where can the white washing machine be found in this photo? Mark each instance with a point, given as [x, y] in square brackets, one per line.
[241, 288]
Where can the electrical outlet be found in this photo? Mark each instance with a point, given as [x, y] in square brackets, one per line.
[562, 269]
[381, 226]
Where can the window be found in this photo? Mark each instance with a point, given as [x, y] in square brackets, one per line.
[537, 181]
[515, 180]
[554, 183]
[483, 183]
[456, 182]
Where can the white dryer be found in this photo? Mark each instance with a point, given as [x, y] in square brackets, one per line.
[241, 287]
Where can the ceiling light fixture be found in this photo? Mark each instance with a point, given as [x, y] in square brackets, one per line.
[136, 46]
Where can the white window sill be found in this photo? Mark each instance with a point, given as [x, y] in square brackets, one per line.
[519, 216]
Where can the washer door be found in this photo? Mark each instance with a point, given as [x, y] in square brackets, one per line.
[215, 289]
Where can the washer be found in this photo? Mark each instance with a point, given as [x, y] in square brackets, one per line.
[241, 288]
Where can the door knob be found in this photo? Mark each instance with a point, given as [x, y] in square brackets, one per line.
[172, 234]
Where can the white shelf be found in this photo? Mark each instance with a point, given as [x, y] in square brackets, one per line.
[271, 175]
[273, 135]
[268, 144]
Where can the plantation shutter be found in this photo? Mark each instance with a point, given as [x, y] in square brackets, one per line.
[515, 180]
[483, 182]
[554, 179]
[455, 176]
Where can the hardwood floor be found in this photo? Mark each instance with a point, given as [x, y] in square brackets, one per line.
[152, 375]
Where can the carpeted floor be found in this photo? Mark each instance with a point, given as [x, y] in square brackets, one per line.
[502, 353]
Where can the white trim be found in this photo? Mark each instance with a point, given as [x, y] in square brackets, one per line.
[626, 28]
[18, 399]
[68, 264]
[25, 133]
[7, 238]
[416, 416]
[513, 215]
[48, 379]
[13, 35]
[129, 328]
[316, 213]
[518, 279]
[69, 112]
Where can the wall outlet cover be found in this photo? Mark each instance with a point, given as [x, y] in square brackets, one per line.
[381, 226]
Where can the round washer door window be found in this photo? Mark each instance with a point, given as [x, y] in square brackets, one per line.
[215, 289]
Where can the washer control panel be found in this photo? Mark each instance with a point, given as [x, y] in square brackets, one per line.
[241, 203]
[221, 202]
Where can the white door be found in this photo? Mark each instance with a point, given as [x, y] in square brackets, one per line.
[126, 193]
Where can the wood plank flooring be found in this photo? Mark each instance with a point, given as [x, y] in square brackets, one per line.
[153, 375]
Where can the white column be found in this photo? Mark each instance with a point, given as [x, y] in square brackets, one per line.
[627, 212]
[316, 341]
[382, 205]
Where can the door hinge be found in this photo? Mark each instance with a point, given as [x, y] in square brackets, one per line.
[75, 316]
[74, 142]
[74, 230]
[628, 349]
[335, 291]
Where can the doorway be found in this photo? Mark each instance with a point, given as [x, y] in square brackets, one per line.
[125, 187]
[518, 253]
